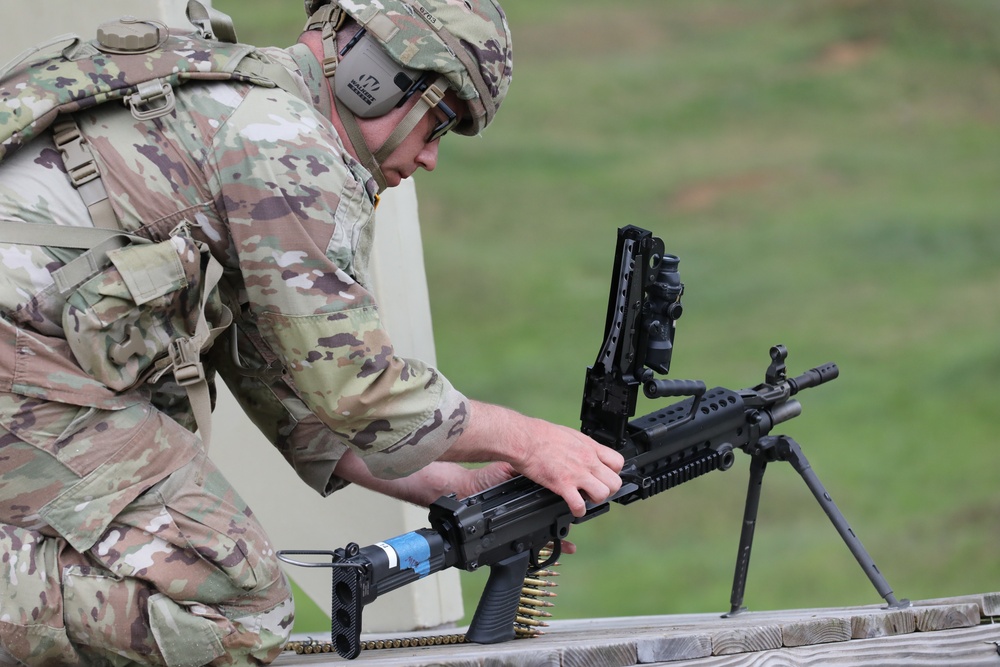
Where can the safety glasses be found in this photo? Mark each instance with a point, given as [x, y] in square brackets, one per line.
[444, 126]
[421, 86]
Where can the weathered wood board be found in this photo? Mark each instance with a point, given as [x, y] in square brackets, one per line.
[952, 631]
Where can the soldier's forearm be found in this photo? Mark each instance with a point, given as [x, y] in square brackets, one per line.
[427, 484]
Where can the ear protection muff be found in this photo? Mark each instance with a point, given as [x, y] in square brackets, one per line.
[368, 81]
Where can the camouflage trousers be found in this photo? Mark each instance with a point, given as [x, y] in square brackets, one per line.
[183, 577]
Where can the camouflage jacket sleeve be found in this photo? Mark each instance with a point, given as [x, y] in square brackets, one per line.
[299, 214]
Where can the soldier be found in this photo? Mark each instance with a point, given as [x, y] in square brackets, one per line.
[121, 542]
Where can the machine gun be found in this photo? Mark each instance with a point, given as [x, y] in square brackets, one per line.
[508, 526]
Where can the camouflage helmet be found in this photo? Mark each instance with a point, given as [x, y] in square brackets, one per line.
[466, 41]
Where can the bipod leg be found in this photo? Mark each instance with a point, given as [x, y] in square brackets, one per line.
[757, 466]
[785, 449]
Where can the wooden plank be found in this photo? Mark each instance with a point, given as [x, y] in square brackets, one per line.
[693, 639]
[600, 654]
[883, 624]
[668, 648]
[550, 658]
[816, 631]
[989, 603]
[946, 617]
[968, 647]
[748, 639]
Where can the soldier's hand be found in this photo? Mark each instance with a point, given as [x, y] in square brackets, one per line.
[570, 464]
[559, 458]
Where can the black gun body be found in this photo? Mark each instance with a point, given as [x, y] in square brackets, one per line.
[506, 527]
[505, 520]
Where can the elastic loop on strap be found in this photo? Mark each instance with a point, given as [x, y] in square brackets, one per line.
[73, 38]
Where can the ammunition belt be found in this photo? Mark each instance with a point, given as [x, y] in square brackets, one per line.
[313, 646]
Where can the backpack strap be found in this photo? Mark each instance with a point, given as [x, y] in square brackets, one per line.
[96, 243]
[43, 47]
[263, 71]
[184, 355]
[81, 167]
[212, 23]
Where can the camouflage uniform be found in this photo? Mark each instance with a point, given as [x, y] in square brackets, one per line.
[120, 540]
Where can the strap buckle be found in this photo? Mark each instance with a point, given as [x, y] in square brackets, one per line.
[329, 14]
[434, 94]
[79, 161]
[151, 99]
[185, 359]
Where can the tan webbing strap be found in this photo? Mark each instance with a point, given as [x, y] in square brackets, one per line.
[434, 94]
[184, 355]
[359, 143]
[211, 22]
[273, 72]
[59, 236]
[328, 19]
[96, 242]
[83, 173]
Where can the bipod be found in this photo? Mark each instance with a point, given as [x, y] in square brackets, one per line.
[783, 448]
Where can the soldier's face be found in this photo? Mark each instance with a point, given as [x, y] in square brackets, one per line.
[417, 151]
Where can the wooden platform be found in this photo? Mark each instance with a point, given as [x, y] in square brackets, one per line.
[954, 632]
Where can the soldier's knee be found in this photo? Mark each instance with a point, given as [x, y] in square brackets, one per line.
[272, 629]
[196, 635]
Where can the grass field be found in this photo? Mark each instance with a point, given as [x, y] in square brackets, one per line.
[828, 173]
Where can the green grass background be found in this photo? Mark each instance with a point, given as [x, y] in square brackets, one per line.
[828, 174]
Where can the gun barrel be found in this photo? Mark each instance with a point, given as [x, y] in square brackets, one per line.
[814, 377]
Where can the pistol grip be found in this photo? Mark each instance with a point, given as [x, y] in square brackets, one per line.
[493, 621]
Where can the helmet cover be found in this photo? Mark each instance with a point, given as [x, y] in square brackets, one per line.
[467, 41]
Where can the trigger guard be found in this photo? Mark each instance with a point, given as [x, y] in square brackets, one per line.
[556, 552]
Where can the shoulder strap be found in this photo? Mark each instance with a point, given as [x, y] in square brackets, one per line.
[43, 47]
[96, 243]
[60, 236]
[264, 70]
[81, 168]
[212, 23]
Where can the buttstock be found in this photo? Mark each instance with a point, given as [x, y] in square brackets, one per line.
[347, 601]
[346, 608]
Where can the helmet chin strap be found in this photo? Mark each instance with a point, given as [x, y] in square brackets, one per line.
[357, 139]
[427, 101]
[372, 160]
